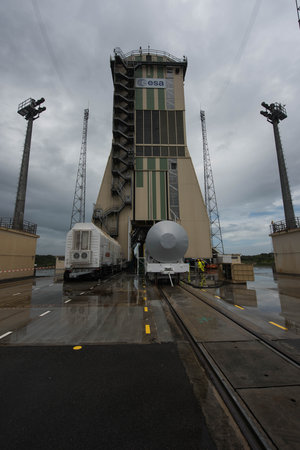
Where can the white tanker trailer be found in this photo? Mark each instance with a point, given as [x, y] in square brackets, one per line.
[166, 245]
[90, 252]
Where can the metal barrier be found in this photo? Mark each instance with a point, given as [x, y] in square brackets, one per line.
[284, 225]
[28, 227]
[147, 51]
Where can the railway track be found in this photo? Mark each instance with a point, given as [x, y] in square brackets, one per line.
[267, 343]
[256, 436]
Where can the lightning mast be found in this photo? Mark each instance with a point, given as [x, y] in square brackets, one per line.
[210, 194]
[78, 210]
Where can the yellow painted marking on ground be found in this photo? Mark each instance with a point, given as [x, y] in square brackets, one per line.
[279, 326]
[147, 329]
[240, 307]
[218, 297]
[204, 290]
[146, 308]
[77, 347]
[145, 298]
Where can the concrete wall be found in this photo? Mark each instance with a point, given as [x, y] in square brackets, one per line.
[17, 253]
[193, 214]
[286, 245]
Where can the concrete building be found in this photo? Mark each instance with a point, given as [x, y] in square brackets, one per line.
[149, 174]
[286, 246]
[17, 252]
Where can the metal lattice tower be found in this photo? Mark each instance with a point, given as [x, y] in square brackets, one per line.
[78, 210]
[210, 194]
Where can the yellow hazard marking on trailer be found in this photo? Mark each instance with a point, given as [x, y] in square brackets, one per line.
[279, 326]
[77, 347]
[146, 308]
[147, 329]
[240, 307]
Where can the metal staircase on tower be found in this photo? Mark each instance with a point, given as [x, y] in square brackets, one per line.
[122, 152]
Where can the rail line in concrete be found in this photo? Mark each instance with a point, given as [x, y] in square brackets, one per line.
[267, 343]
[250, 426]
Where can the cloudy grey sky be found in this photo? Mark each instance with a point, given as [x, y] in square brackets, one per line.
[240, 53]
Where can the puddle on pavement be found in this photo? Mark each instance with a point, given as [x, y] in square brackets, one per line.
[273, 295]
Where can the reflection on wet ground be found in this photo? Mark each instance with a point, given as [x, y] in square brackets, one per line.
[116, 309]
[270, 295]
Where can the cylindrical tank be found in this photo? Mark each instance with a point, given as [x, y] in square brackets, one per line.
[167, 241]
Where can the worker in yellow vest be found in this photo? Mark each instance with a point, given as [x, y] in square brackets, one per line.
[200, 266]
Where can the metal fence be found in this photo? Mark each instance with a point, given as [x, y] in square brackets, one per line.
[284, 225]
[28, 227]
[147, 51]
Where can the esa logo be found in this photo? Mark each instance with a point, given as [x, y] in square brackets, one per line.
[150, 83]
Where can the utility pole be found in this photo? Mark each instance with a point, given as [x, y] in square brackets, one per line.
[78, 209]
[274, 113]
[31, 111]
[210, 194]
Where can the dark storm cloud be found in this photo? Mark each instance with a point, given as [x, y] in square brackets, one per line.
[236, 58]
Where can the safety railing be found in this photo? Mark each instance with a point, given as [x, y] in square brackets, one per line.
[284, 225]
[28, 227]
[148, 51]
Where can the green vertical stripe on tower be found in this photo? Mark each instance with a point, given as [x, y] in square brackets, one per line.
[161, 99]
[163, 195]
[149, 91]
[139, 72]
[150, 98]
[139, 99]
[151, 163]
[154, 194]
[163, 163]
[160, 72]
[161, 92]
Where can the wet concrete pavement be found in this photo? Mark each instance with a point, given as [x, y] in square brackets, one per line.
[267, 382]
[70, 401]
[133, 382]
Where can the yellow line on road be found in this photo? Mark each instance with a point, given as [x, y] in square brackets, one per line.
[146, 308]
[147, 329]
[145, 298]
[240, 307]
[279, 326]
[218, 297]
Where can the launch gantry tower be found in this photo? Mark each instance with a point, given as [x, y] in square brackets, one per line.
[78, 209]
[210, 194]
